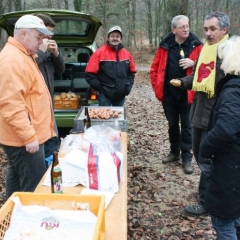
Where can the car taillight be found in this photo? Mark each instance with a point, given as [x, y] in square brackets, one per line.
[93, 95]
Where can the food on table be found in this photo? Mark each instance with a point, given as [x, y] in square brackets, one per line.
[103, 113]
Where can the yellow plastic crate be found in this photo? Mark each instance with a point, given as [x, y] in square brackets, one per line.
[56, 201]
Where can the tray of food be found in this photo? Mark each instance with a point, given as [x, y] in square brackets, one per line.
[102, 115]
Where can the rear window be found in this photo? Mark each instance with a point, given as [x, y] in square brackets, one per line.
[71, 27]
[70, 54]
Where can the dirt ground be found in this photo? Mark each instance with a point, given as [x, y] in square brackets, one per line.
[157, 193]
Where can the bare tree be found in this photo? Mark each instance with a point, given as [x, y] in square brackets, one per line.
[77, 5]
[157, 11]
[66, 4]
[133, 23]
[142, 21]
[149, 19]
[17, 4]
[9, 8]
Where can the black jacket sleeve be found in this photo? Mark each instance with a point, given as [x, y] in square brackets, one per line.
[93, 81]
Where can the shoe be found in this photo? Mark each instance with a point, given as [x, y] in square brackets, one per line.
[171, 158]
[195, 210]
[187, 168]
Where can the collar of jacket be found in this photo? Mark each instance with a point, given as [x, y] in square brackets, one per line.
[195, 41]
[120, 46]
[224, 80]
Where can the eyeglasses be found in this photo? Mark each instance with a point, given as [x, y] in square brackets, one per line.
[183, 27]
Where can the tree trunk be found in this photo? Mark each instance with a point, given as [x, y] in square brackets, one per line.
[66, 4]
[18, 6]
[133, 32]
[77, 5]
[149, 17]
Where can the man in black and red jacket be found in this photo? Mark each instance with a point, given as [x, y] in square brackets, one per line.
[175, 58]
[111, 70]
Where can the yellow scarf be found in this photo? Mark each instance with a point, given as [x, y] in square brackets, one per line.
[205, 72]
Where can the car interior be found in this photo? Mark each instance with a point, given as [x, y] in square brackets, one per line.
[73, 79]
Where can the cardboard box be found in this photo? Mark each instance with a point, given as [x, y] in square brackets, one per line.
[56, 201]
[122, 119]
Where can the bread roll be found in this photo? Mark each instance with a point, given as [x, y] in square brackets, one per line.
[176, 82]
[57, 97]
[63, 95]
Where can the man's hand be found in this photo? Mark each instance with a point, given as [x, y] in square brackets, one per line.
[44, 45]
[176, 82]
[186, 63]
[53, 47]
[32, 147]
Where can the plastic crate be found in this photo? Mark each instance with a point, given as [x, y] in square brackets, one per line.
[67, 103]
[56, 201]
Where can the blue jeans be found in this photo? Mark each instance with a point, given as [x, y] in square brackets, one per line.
[51, 144]
[104, 101]
[180, 139]
[203, 163]
[25, 170]
[225, 229]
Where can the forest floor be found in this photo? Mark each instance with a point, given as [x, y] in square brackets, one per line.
[157, 193]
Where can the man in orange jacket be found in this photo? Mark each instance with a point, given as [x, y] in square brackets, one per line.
[26, 113]
[175, 58]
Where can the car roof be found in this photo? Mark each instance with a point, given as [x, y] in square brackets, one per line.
[72, 27]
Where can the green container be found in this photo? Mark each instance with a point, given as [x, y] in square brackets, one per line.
[65, 119]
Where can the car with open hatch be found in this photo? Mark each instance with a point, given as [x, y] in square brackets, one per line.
[75, 34]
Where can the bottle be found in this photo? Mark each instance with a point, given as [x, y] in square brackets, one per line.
[182, 54]
[56, 175]
[87, 122]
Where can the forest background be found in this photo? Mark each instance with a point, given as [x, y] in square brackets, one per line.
[144, 22]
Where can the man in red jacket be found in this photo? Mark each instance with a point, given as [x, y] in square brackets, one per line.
[175, 58]
[111, 70]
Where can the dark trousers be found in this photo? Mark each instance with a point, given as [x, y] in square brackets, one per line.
[226, 228]
[180, 137]
[25, 170]
[203, 163]
[104, 101]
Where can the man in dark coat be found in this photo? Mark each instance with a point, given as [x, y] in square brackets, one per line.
[50, 62]
[216, 27]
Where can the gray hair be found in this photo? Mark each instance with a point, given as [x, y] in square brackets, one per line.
[229, 52]
[222, 17]
[17, 31]
[178, 18]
